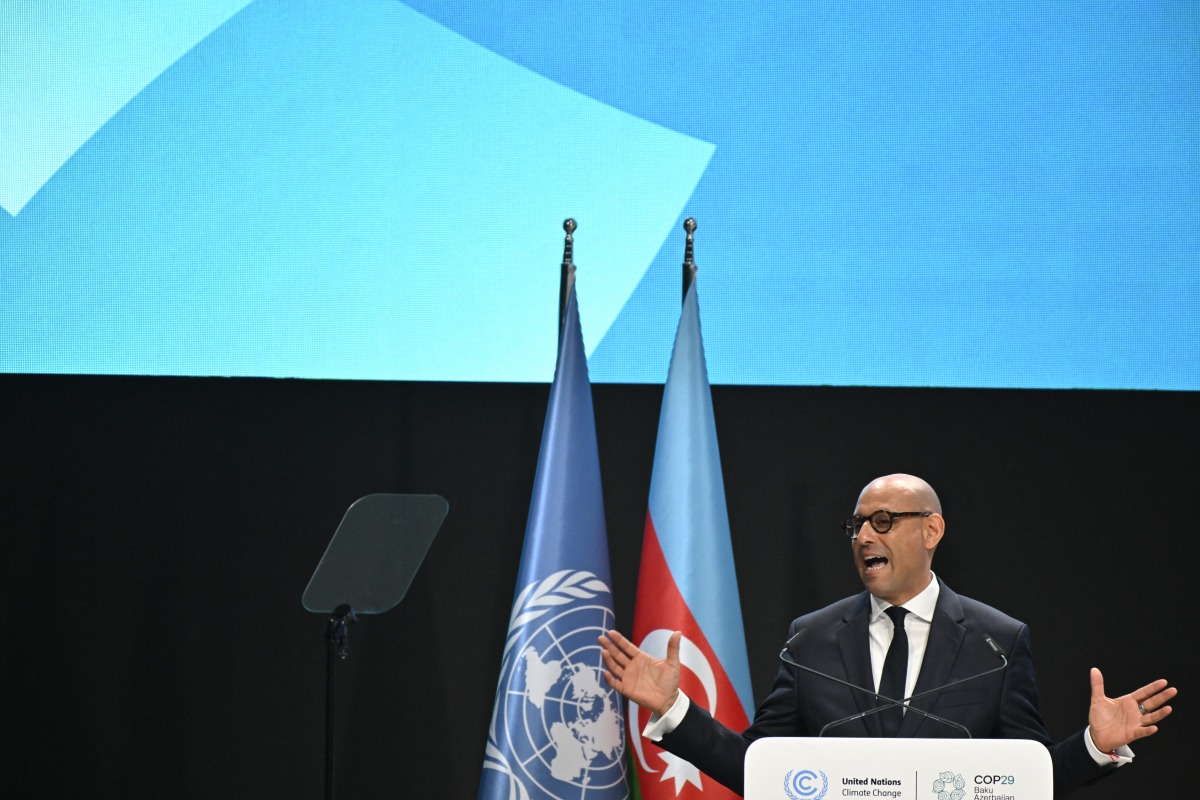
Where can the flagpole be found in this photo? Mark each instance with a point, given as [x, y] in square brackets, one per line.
[567, 279]
[687, 581]
[689, 266]
[562, 600]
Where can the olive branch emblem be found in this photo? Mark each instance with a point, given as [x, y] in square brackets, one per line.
[802, 793]
[536, 599]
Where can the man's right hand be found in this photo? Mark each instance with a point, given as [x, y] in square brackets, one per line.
[652, 683]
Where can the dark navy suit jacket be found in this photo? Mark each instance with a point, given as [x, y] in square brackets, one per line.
[1003, 705]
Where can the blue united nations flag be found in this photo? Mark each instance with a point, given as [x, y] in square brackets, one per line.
[557, 728]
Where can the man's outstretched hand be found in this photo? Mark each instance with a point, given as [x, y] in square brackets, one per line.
[1118, 721]
[652, 683]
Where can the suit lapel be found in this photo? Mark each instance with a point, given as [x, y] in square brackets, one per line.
[854, 641]
[945, 638]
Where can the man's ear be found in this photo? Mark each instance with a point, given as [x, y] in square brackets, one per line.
[935, 526]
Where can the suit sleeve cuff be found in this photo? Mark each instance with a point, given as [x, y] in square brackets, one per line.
[659, 726]
[1120, 757]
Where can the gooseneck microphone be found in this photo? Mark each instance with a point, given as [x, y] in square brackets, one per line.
[884, 702]
[887, 702]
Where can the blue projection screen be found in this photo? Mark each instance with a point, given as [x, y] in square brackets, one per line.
[908, 194]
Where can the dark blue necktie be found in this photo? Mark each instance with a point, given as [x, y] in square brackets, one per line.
[895, 671]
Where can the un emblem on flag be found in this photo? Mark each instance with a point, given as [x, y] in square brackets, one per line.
[557, 729]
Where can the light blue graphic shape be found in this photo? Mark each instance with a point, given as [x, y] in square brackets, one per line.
[1001, 198]
[322, 191]
[69, 66]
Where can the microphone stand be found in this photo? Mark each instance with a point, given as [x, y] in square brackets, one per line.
[887, 702]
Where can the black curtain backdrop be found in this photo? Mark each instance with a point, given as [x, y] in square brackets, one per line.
[160, 533]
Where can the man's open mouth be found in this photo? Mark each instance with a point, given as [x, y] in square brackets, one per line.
[874, 563]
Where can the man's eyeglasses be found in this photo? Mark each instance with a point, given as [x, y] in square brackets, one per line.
[881, 521]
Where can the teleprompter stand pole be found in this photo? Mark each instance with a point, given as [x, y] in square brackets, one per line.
[337, 646]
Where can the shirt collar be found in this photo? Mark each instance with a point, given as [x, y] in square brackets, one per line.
[921, 606]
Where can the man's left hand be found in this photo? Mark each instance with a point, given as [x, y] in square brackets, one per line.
[1118, 721]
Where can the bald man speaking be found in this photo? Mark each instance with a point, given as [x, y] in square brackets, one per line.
[907, 634]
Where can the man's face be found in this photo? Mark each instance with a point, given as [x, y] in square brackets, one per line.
[894, 566]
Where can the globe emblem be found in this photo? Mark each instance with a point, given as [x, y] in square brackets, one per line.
[561, 724]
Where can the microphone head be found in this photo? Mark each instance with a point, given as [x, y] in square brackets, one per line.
[795, 638]
[997, 649]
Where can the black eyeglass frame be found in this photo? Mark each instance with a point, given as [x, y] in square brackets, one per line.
[881, 521]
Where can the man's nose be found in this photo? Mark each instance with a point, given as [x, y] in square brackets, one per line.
[866, 534]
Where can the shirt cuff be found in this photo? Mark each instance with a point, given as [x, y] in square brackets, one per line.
[1121, 756]
[659, 726]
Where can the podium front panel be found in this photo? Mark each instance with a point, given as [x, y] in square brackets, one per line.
[783, 768]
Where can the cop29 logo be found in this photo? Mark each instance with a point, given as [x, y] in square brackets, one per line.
[802, 784]
[950, 786]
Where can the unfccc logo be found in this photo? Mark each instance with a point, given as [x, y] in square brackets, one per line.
[802, 784]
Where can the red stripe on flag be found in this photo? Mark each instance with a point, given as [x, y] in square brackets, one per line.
[660, 607]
